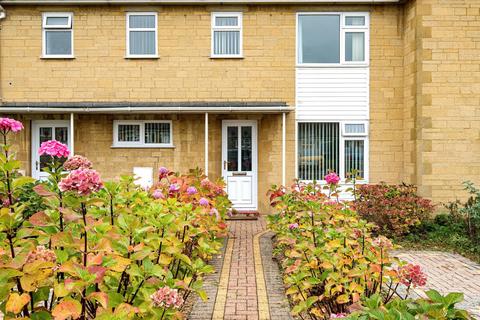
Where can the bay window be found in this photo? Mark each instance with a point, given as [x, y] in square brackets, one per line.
[331, 146]
[332, 38]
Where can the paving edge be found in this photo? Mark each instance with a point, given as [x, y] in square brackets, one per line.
[221, 299]
[263, 308]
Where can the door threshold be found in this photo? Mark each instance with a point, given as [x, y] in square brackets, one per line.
[244, 215]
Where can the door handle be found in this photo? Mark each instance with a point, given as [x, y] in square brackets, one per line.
[239, 173]
[36, 165]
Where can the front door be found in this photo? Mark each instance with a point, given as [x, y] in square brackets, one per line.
[44, 130]
[239, 162]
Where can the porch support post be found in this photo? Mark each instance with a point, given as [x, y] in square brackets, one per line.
[206, 144]
[72, 138]
[284, 137]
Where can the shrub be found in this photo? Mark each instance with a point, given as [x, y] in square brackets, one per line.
[329, 257]
[103, 250]
[435, 306]
[395, 209]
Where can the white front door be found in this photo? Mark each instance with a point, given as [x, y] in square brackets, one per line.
[239, 162]
[44, 130]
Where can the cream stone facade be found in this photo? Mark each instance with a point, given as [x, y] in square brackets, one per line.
[423, 87]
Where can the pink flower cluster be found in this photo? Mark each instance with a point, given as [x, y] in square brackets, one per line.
[158, 194]
[54, 148]
[163, 173]
[82, 181]
[338, 315]
[41, 254]
[332, 178]
[7, 125]
[293, 226]
[191, 191]
[411, 274]
[167, 297]
[77, 162]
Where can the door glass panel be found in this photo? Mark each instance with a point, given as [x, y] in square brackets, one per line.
[232, 148]
[45, 135]
[246, 148]
[61, 135]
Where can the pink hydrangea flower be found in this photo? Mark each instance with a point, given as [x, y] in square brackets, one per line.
[205, 183]
[174, 187]
[163, 172]
[158, 194]
[54, 148]
[293, 226]
[77, 162]
[167, 297]
[81, 181]
[411, 274]
[332, 178]
[191, 191]
[41, 254]
[338, 315]
[7, 125]
[203, 202]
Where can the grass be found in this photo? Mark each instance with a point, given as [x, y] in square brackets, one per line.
[443, 233]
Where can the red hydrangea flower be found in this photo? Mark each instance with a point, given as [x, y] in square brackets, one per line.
[332, 178]
[81, 181]
[77, 162]
[167, 297]
[7, 125]
[54, 148]
[411, 274]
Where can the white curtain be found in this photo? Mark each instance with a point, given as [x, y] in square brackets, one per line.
[226, 42]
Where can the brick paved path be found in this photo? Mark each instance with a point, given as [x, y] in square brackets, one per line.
[448, 272]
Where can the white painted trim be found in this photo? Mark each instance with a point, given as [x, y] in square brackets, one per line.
[127, 36]
[149, 110]
[284, 138]
[214, 28]
[254, 125]
[141, 143]
[343, 29]
[46, 28]
[206, 144]
[35, 143]
[193, 2]
[72, 135]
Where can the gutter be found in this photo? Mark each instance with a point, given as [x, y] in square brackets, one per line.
[190, 2]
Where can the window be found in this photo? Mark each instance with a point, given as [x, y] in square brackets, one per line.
[226, 35]
[323, 147]
[142, 35]
[57, 35]
[138, 134]
[332, 38]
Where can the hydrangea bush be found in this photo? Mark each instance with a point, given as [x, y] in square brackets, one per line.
[104, 250]
[331, 261]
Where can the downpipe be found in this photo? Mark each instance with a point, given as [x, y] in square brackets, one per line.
[3, 15]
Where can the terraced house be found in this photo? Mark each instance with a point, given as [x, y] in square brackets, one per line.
[258, 92]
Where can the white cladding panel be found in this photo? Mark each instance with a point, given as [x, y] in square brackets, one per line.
[332, 93]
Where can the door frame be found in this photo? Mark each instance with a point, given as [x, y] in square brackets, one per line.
[254, 124]
[35, 143]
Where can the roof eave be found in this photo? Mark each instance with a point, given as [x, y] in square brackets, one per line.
[190, 2]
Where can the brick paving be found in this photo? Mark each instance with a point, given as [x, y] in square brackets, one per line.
[242, 300]
[448, 272]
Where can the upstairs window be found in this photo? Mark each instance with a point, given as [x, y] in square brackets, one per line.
[142, 134]
[226, 35]
[57, 35]
[142, 35]
[332, 38]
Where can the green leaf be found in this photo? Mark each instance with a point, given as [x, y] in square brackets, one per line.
[41, 315]
[435, 296]
[453, 298]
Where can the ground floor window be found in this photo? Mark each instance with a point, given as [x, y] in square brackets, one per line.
[147, 133]
[331, 146]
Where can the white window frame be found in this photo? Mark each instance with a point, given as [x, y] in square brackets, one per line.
[128, 29]
[342, 138]
[343, 29]
[141, 143]
[67, 27]
[239, 28]
[354, 134]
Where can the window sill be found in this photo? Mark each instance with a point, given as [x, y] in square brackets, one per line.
[227, 57]
[331, 65]
[153, 57]
[143, 147]
[59, 57]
